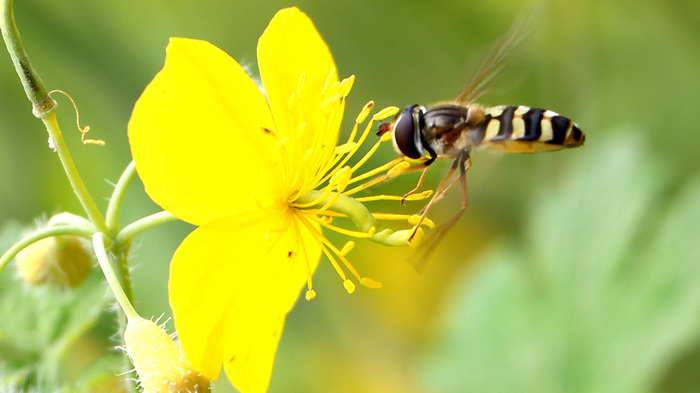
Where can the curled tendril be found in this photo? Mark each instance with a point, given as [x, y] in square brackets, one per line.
[83, 130]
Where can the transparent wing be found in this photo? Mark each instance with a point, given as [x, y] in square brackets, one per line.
[498, 57]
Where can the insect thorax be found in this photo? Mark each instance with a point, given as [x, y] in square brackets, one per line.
[450, 129]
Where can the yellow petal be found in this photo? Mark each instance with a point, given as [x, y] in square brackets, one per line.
[231, 286]
[295, 66]
[200, 136]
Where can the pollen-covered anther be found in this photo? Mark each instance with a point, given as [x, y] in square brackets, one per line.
[347, 248]
[416, 219]
[301, 82]
[349, 286]
[372, 231]
[301, 130]
[310, 294]
[362, 116]
[292, 102]
[418, 196]
[328, 104]
[341, 178]
[345, 148]
[279, 146]
[346, 86]
[417, 238]
[307, 155]
[386, 112]
[398, 169]
[369, 283]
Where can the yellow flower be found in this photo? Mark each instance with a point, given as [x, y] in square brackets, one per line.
[259, 173]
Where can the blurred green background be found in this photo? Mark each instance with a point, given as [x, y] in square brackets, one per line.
[569, 271]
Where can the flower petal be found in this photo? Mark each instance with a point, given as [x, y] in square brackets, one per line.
[231, 286]
[289, 48]
[193, 130]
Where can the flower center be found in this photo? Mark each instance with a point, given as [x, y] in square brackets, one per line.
[324, 194]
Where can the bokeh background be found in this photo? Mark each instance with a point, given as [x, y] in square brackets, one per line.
[569, 271]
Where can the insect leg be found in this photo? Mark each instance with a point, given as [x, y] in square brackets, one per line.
[426, 164]
[464, 165]
[441, 189]
[418, 186]
[419, 261]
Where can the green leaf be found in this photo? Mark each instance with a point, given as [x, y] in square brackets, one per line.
[600, 294]
[38, 324]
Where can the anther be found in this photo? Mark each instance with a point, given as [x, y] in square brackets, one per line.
[329, 77]
[307, 155]
[347, 248]
[416, 238]
[345, 148]
[291, 103]
[349, 286]
[364, 112]
[386, 112]
[418, 196]
[341, 178]
[369, 283]
[418, 219]
[301, 130]
[346, 86]
[398, 169]
[301, 82]
[310, 294]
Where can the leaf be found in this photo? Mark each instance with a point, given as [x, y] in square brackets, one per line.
[600, 296]
[39, 323]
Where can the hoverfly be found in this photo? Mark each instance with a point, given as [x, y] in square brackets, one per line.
[453, 130]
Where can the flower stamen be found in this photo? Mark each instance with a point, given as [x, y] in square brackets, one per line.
[310, 293]
[329, 77]
[413, 197]
[412, 218]
[341, 230]
[352, 152]
[349, 245]
[334, 263]
[331, 251]
[377, 170]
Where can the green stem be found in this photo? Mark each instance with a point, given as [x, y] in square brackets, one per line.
[44, 108]
[33, 86]
[360, 216]
[42, 234]
[143, 224]
[115, 202]
[72, 172]
[98, 242]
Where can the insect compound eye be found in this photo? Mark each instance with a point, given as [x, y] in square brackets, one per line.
[405, 130]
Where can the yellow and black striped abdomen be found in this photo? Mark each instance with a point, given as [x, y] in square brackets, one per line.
[522, 129]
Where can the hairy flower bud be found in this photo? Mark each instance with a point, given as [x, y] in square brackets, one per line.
[160, 361]
[58, 260]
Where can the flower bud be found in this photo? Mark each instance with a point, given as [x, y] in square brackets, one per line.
[58, 260]
[160, 362]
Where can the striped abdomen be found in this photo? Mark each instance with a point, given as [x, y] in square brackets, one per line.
[528, 130]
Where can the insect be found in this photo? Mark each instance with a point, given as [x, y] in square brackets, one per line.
[453, 130]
